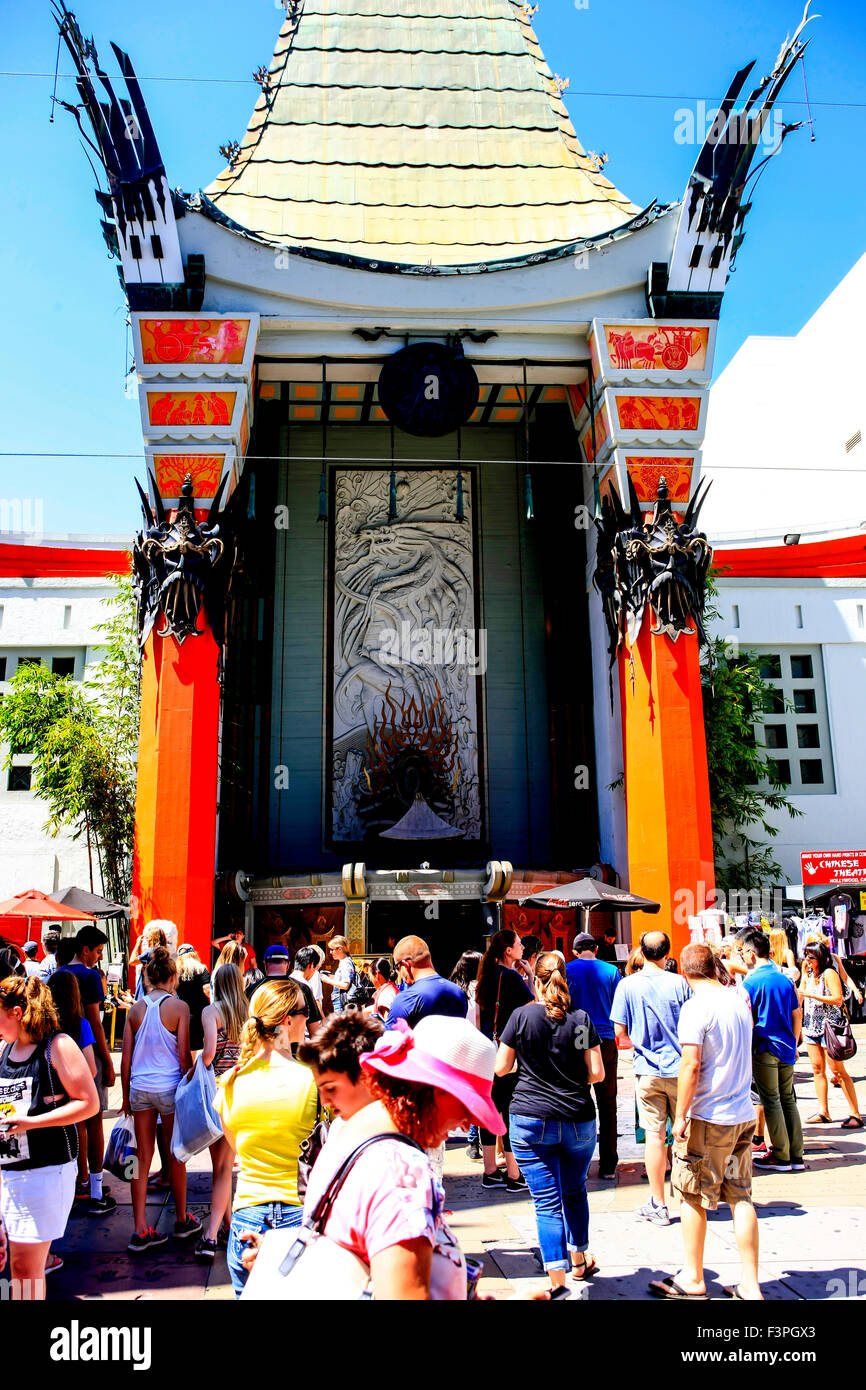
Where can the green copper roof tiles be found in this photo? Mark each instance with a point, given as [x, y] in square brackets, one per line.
[414, 131]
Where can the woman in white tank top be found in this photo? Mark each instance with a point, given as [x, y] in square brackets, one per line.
[155, 1056]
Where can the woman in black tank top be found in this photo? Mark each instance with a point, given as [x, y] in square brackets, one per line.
[45, 1090]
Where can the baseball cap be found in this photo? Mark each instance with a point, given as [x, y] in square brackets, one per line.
[276, 953]
[584, 941]
[30, 948]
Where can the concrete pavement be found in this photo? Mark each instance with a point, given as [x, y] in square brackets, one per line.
[812, 1224]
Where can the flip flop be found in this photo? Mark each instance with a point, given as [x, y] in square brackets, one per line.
[669, 1288]
[734, 1293]
[852, 1122]
[819, 1120]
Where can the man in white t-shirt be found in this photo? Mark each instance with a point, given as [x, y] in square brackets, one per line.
[713, 1128]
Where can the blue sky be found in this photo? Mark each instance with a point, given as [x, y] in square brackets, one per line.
[63, 353]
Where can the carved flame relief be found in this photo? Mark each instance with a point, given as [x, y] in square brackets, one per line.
[411, 726]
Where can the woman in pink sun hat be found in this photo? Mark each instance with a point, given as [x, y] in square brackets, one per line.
[390, 1209]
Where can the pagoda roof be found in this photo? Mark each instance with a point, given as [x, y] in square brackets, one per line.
[414, 132]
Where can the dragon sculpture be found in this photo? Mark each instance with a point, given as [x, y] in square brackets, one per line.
[662, 562]
[182, 565]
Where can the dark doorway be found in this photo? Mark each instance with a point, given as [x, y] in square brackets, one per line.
[450, 928]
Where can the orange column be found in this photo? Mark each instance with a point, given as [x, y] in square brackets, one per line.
[175, 811]
[670, 841]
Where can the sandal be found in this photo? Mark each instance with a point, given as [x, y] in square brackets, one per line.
[53, 1263]
[852, 1122]
[669, 1288]
[587, 1271]
[819, 1119]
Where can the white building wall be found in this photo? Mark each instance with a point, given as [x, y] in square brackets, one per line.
[47, 618]
[779, 418]
[831, 610]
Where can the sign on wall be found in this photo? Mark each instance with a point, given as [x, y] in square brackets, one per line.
[833, 866]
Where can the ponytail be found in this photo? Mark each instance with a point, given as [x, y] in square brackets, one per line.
[552, 984]
[270, 1006]
[33, 997]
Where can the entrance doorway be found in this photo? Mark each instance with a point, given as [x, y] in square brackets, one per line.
[449, 930]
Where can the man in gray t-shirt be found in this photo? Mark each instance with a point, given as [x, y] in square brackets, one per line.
[714, 1125]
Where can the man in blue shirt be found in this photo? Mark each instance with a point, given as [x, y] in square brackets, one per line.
[592, 984]
[646, 1010]
[426, 991]
[777, 1018]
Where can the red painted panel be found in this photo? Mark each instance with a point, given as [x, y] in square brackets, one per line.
[59, 561]
[831, 559]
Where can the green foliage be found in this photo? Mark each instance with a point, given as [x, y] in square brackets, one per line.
[84, 741]
[744, 790]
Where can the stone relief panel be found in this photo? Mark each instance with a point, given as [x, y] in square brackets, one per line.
[406, 656]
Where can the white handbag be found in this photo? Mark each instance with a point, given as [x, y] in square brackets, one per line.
[306, 1265]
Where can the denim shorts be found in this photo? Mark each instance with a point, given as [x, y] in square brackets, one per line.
[163, 1101]
[267, 1216]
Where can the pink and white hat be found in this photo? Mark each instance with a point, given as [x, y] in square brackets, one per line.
[445, 1052]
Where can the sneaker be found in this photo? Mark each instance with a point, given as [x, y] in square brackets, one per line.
[659, 1216]
[145, 1240]
[206, 1250]
[607, 1177]
[189, 1227]
[473, 1149]
[101, 1206]
[759, 1146]
[516, 1184]
[496, 1179]
[798, 1167]
[82, 1197]
[770, 1165]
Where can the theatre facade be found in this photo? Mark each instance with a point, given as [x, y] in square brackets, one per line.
[422, 397]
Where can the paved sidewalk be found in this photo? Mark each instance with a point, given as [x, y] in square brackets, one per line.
[812, 1224]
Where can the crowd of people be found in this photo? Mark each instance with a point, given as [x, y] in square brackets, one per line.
[333, 1115]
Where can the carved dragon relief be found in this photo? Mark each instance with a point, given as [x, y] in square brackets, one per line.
[182, 565]
[662, 562]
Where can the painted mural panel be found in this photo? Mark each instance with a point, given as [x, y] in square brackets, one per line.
[406, 656]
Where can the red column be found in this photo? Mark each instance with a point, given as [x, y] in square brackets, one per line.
[175, 811]
[669, 827]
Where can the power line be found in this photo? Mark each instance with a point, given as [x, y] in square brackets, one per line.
[608, 96]
[464, 463]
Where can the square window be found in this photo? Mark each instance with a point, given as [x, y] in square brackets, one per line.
[771, 667]
[63, 665]
[30, 661]
[780, 769]
[811, 771]
[19, 779]
[801, 668]
[774, 702]
[804, 701]
[776, 735]
[808, 736]
[2, 668]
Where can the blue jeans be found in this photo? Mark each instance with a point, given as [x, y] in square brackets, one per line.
[554, 1157]
[265, 1217]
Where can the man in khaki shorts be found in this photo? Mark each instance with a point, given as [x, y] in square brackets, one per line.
[713, 1128]
[646, 1010]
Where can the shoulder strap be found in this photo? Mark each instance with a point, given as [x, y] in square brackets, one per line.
[322, 1210]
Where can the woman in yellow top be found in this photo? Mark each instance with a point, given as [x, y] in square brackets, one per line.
[267, 1104]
